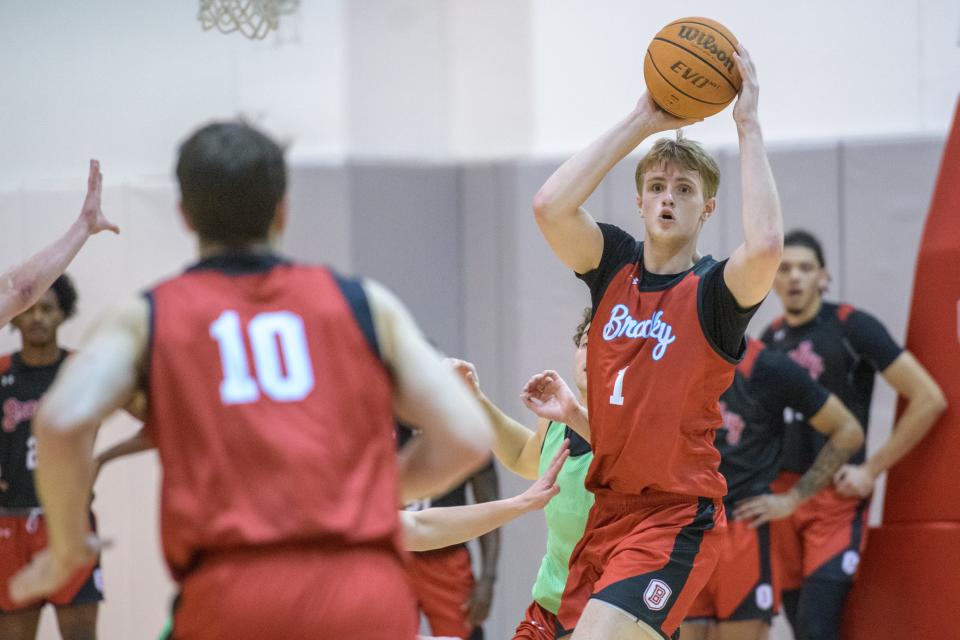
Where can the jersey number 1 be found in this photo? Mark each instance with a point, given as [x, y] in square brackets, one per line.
[617, 397]
[272, 335]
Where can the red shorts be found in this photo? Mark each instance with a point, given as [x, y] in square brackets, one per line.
[824, 537]
[22, 537]
[442, 583]
[745, 584]
[647, 555]
[537, 624]
[297, 593]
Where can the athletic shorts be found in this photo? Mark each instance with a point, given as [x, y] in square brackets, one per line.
[647, 555]
[822, 539]
[24, 535]
[537, 624]
[297, 593]
[442, 583]
[745, 584]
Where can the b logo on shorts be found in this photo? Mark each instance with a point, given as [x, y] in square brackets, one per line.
[850, 562]
[657, 595]
[764, 595]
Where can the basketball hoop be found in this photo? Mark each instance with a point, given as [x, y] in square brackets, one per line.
[253, 18]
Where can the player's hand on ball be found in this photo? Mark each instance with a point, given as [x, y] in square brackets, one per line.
[658, 119]
[745, 110]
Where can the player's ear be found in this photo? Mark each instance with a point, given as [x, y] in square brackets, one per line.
[708, 208]
[279, 218]
[640, 204]
[186, 218]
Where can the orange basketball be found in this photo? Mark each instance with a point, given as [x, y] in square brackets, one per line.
[689, 68]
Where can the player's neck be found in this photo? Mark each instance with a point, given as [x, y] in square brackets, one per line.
[210, 249]
[667, 260]
[40, 355]
[803, 316]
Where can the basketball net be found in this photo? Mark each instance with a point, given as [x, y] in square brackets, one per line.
[253, 18]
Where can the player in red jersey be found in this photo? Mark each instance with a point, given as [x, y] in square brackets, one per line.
[667, 332]
[271, 394]
[22, 286]
[842, 348]
[25, 376]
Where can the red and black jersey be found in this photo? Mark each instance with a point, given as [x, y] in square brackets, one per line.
[656, 369]
[271, 410]
[842, 348]
[766, 384]
[21, 387]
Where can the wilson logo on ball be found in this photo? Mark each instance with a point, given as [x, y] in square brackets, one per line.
[690, 70]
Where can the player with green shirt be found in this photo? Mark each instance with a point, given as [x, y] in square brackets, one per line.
[528, 453]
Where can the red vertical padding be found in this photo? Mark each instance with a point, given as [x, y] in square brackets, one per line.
[909, 581]
[924, 485]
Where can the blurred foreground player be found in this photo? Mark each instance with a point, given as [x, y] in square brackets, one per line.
[25, 376]
[271, 392]
[842, 348]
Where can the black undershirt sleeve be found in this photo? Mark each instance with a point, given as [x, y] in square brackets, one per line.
[783, 383]
[619, 248]
[871, 339]
[723, 319]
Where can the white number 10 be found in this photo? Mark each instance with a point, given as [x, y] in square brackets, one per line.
[272, 335]
[617, 397]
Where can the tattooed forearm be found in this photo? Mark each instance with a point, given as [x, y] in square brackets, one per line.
[828, 462]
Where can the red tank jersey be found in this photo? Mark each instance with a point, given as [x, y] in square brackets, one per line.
[271, 412]
[654, 388]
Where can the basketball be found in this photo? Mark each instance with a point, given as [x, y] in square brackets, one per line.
[689, 68]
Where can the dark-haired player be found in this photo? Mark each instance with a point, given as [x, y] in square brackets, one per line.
[667, 333]
[25, 376]
[842, 348]
[742, 595]
[22, 286]
[271, 394]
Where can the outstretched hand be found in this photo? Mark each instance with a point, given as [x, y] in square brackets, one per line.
[541, 491]
[91, 213]
[548, 396]
[467, 372]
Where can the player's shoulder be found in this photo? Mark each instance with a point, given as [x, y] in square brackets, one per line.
[850, 317]
[752, 355]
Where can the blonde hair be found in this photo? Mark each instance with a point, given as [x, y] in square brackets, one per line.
[685, 153]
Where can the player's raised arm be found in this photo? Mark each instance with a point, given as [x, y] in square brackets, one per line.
[99, 379]
[444, 526]
[514, 445]
[752, 266]
[455, 434]
[558, 206]
[22, 286]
